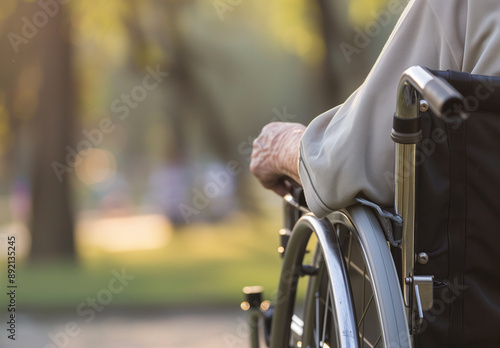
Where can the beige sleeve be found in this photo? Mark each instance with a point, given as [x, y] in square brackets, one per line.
[347, 151]
[482, 38]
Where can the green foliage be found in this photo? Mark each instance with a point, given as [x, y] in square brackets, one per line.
[362, 11]
[202, 265]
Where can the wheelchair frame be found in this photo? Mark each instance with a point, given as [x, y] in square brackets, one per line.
[401, 299]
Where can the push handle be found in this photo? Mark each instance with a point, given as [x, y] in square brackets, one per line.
[418, 83]
[444, 100]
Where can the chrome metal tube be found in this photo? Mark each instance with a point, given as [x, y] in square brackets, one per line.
[415, 83]
[405, 206]
[407, 108]
[404, 184]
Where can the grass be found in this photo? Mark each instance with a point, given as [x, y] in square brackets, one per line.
[202, 264]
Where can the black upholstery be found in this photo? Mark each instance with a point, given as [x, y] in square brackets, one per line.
[458, 218]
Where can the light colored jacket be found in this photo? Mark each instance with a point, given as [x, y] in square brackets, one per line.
[347, 151]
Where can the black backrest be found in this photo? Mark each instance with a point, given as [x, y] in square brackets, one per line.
[458, 217]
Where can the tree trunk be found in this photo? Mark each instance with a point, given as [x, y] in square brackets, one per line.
[52, 220]
[331, 30]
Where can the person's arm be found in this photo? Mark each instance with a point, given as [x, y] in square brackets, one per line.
[347, 152]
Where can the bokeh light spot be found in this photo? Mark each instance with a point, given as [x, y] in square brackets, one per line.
[95, 166]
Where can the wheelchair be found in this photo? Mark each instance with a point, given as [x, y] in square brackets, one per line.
[423, 273]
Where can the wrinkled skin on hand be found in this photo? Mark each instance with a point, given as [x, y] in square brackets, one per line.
[275, 155]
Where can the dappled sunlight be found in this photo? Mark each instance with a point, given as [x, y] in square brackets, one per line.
[94, 24]
[96, 235]
[362, 11]
[232, 239]
[292, 25]
[151, 240]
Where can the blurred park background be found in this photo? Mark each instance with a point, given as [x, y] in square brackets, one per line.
[125, 136]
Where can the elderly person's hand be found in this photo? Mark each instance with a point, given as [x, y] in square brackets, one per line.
[275, 155]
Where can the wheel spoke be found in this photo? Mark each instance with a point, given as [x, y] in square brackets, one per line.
[378, 340]
[368, 343]
[363, 302]
[325, 314]
[360, 271]
[316, 331]
[365, 311]
[349, 253]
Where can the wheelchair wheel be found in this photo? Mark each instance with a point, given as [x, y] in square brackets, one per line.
[353, 297]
